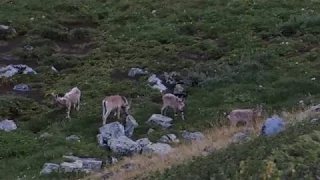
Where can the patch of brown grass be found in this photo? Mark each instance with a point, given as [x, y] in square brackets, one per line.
[217, 138]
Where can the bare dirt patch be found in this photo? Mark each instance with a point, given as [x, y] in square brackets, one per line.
[7, 46]
[6, 88]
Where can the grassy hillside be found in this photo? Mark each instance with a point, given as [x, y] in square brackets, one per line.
[244, 52]
[292, 154]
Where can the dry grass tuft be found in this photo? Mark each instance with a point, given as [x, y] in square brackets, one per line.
[218, 138]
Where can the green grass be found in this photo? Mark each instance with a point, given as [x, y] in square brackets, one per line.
[242, 44]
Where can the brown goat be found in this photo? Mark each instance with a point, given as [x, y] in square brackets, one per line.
[248, 116]
[71, 98]
[113, 102]
[174, 102]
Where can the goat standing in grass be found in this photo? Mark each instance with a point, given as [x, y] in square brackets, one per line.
[71, 98]
[176, 103]
[248, 116]
[113, 102]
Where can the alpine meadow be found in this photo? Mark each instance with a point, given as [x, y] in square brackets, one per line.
[230, 54]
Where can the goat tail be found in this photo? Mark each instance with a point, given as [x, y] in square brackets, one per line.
[104, 108]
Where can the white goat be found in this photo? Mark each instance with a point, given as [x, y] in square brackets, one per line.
[176, 103]
[113, 102]
[71, 98]
[248, 116]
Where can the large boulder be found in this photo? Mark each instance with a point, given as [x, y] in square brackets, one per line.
[131, 124]
[273, 125]
[192, 136]
[49, 168]
[158, 119]
[111, 130]
[157, 148]
[11, 70]
[7, 125]
[123, 146]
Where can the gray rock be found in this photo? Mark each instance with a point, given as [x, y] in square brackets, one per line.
[156, 83]
[21, 87]
[178, 89]
[131, 124]
[273, 125]
[163, 121]
[193, 136]
[143, 142]
[123, 146]
[111, 160]
[240, 137]
[28, 47]
[169, 138]
[49, 168]
[150, 130]
[315, 121]
[45, 135]
[73, 138]
[54, 69]
[157, 148]
[71, 167]
[11, 70]
[91, 165]
[9, 29]
[112, 130]
[7, 125]
[137, 71]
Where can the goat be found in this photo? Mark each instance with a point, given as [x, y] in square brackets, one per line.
[248, 116]
[71, 98]
[176, 103]
[113, 102]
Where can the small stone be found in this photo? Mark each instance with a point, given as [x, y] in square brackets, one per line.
[153, 11]
[21, 87]
[315, 121]
[111, 160]
[73, 138]
[28, 47]
[313, 79]
[150, 130]
[169, 138]
[7, 125]
[45, 135]
[192, 136]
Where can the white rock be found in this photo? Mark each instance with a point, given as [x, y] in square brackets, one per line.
[157, 148]
[163, 121]
[7, 125]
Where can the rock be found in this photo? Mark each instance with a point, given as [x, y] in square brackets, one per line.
[131, 124]
[21, 87]
[137, 71]
[7, 125]
[169, 138]
[169, 78]
[179, 91]
[156, 83]
[315, 121]
[150, 130]
[111, 130]
[11, 70]
[71, 167]
[54, 69]
[163, 121]
[143, 142]
[49, 168]
[157, 148]
[73, 138]
[239, 137]
[28, 47]
[192, 136]
[272, 125]
[123, 146]
[45, 135]
[111, 160]
[128, 166]
[91, 165]
[7, 29]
